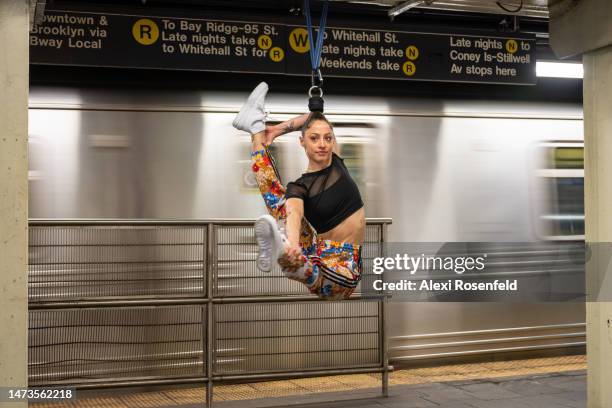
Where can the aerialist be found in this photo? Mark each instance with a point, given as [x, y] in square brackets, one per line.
[321, 213]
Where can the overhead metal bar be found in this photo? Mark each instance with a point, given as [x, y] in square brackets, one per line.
[405, 6]
[530, 8]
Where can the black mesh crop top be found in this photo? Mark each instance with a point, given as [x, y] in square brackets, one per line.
[330, 195]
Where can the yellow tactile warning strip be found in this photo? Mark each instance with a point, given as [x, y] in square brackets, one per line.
[273, 389]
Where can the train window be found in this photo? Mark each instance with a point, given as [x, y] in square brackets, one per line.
[567, 157]
[567, 219]
[36, 153]
[35, 159]
[353, 159]
[353, 138]
[562, 192]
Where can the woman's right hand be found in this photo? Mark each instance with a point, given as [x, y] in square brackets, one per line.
[293, 252]
[291, 260]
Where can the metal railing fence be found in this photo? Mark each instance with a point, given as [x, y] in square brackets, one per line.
[146, 302]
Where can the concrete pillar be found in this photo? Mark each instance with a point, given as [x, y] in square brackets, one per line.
[598, 200]
[583, 27]
[14, 59]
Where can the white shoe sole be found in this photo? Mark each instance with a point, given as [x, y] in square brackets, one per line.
[269, 241]
[243, 118]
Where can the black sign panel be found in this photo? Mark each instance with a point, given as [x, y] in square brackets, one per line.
[156, 42]
[421, 56]
[113, 40]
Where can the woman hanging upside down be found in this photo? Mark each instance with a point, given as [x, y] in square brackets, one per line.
[321, 212]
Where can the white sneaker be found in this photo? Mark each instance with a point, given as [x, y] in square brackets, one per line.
[270, 242]
[252, 116]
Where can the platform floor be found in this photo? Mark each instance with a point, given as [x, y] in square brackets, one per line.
[558, 382]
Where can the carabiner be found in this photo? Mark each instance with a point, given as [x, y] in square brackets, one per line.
[316, 78]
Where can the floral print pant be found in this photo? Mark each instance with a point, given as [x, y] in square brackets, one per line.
[330, 269]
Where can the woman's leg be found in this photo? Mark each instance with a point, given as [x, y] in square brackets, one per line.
[268, 181]
[273, 193]
[270, 186]
[340, 271]
[332, 270]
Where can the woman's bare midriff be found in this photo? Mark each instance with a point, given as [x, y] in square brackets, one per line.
[351, 230]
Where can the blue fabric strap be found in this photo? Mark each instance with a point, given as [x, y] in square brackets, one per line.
[316, 47]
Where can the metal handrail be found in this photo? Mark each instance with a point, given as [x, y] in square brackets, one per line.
[141, 221]
[211, 300]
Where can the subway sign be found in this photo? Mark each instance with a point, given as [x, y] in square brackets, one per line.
[99, 39]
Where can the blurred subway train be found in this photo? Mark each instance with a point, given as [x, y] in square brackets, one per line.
[443, 170]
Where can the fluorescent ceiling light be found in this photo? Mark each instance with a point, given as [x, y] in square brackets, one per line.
[407, 5]
[559, 69]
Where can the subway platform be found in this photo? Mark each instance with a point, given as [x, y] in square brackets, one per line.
[555, 382]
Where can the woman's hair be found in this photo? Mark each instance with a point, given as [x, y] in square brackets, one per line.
[313, 117]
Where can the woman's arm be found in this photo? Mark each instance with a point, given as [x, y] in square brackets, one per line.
[266, 138]
[295, 212]
[291, 258]
[288, 126]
